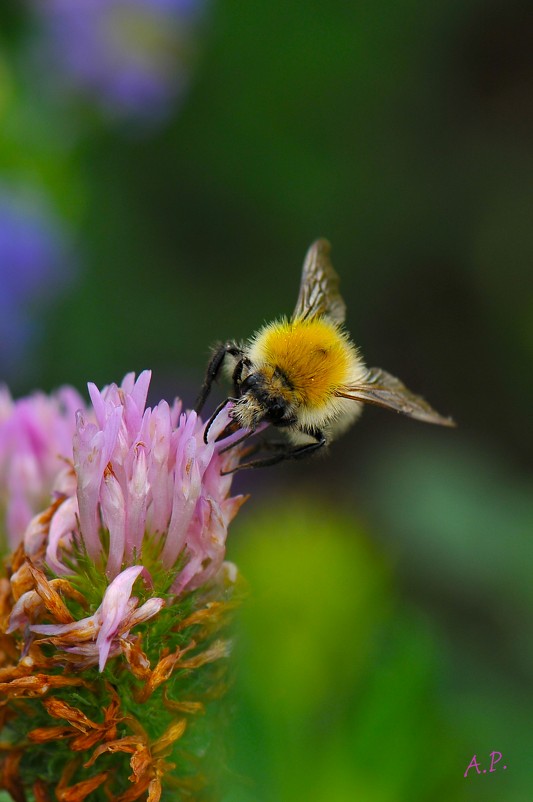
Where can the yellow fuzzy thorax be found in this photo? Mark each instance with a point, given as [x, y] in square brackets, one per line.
[314, 356]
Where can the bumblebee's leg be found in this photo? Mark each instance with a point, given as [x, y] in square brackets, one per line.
[262, 445]
[213, 369]
[237, 373]
[286, 453]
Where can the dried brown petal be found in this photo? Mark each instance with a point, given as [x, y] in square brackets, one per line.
[162, 672]
[36, 685]
[64, 586]
[212, 610]
[5, 601]
[35, 659]
[141, 763]
[219, 649]
[18, 558]
[192, 708]
[129, 744]
[8, 650]
[154, 790]
[86, 741]
[136, 658]
[110, 712]
[172, 734]
[51, 598]
[40, 791]
[21, 580]
[9, 775]
[81, 790]
[43, 734]
[59, 709]
[135, 791]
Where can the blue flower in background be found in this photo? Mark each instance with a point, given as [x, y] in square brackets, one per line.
[132, 57]
[33, 271]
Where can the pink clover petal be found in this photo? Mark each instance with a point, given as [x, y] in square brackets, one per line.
[113, 609]
[185, 576]
[175, 412]
[62, 525]
[92, 451]
[206, 542]
[145, 437]
[147, 610]
[159, 477]
[186, 494]
[138, 490]
[88, 463]
[85, 629]
[139, 391]
[220, 422]
[128, 383]
[185, 435]
[133, 417]
[230, 507]
[114, 518]
[98, 403]
[65, 483]
[89, 654]
[215, 483]
[204, 453]
[88, 649]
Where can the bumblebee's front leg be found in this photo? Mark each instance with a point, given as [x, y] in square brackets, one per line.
[286, 452]
[213, 369]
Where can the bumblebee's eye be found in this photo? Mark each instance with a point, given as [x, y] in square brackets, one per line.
[249, 382]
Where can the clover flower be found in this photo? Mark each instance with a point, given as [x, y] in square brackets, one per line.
[35, 444]
[132, 57]
[114, 608]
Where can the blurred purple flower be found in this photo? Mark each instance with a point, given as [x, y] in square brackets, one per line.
[132, 57]
[33, 269]
[35, 449]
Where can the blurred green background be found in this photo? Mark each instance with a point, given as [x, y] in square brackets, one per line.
[387, 636]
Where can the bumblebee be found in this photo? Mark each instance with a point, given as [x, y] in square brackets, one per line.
[304, 375]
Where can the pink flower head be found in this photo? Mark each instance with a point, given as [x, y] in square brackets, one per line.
[145, 495]
[35, 444]
[146, 474]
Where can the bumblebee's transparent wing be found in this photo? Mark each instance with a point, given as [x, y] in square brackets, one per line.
[380, 388]
[319, 288]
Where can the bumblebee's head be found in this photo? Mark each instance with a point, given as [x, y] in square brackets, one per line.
[261, 401]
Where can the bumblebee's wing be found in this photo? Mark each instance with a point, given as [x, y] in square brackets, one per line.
[319, 289]
[380, 388]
